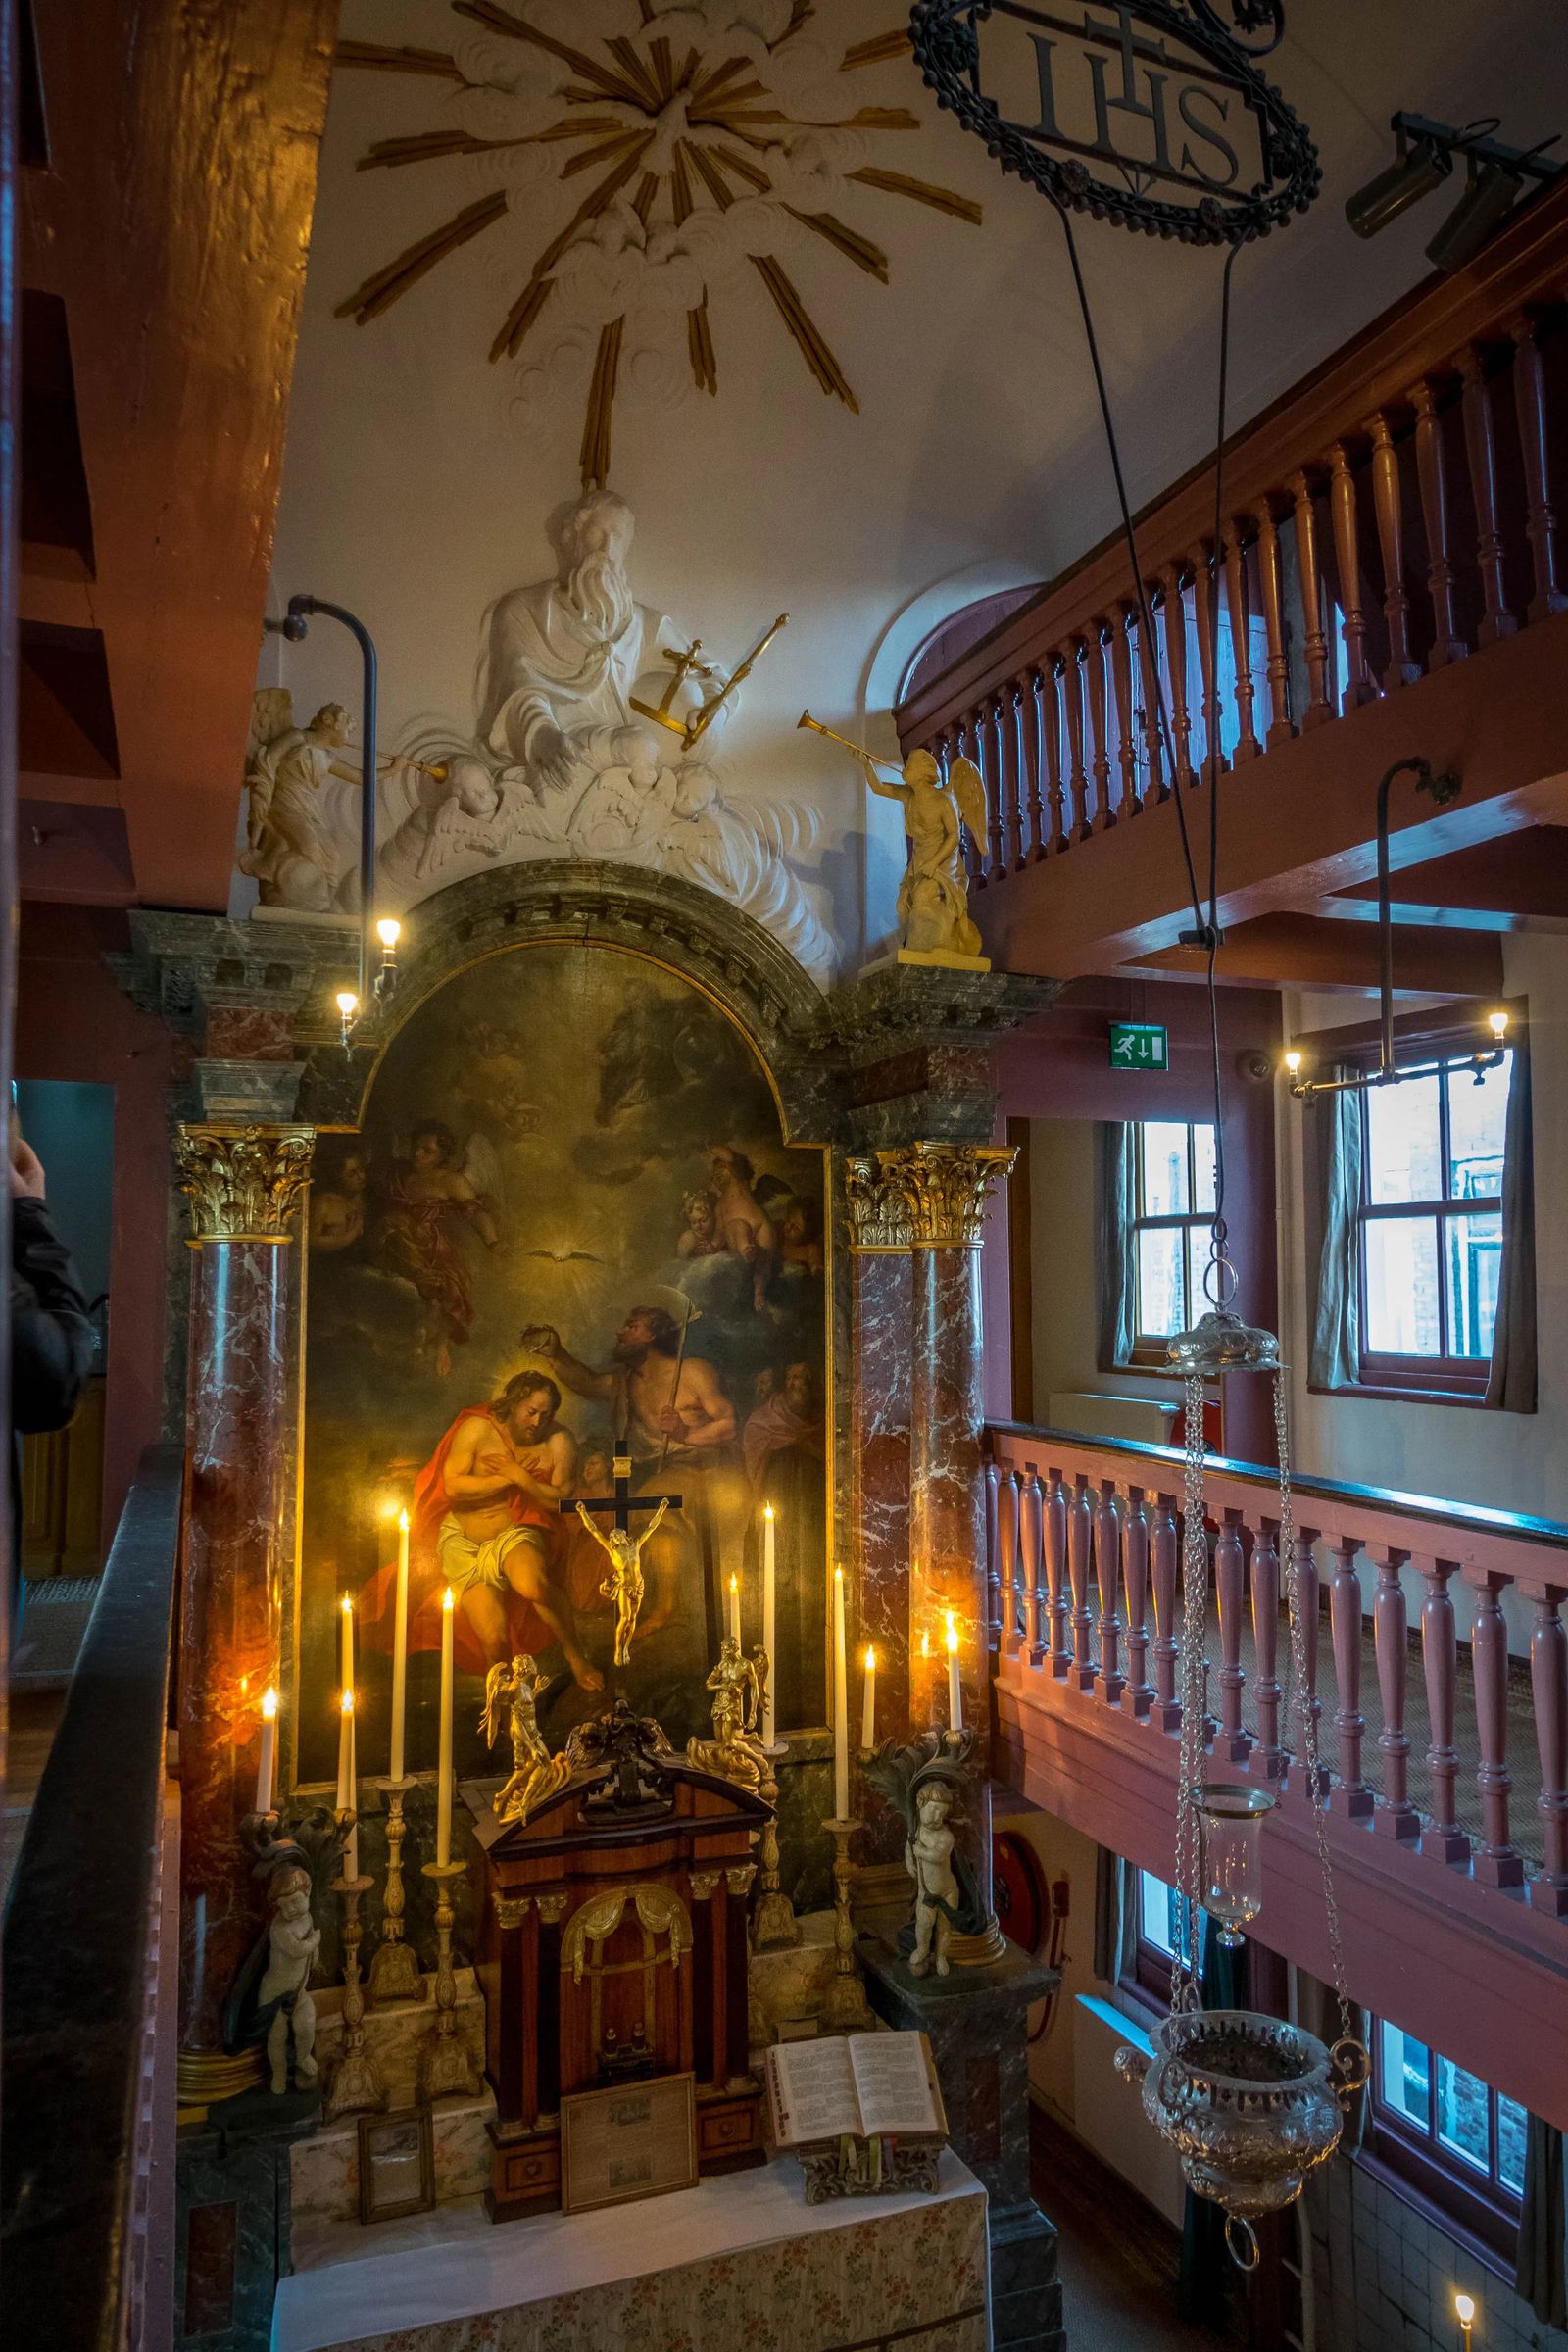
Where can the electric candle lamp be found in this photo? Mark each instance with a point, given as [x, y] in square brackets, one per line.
[735, 1609]
[868, 1699]
[443, 1791]
[1498, 1024]
[770, 1624]
[841, 1707]
[389, 930]
[1465, 2307]
[400, 1652]
[954, 1689]
[263, 1762]
[1293, 1062]
[348, 1004]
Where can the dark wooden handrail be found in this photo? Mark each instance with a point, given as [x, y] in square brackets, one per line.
[1474, 1518]
[78, 1928]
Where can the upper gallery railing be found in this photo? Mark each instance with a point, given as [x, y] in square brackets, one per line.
[1387, 516]
[1085, 1542]
[85, 2167]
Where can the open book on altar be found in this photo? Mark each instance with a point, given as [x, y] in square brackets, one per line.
[853, 2086]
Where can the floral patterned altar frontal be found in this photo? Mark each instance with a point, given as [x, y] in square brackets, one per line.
[568, 1228]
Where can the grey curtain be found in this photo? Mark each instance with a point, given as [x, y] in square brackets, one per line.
[1315, 2007]
[1115, 1916]
[1511, 1382]
[1336, 1332]
[1542, 2222]
[1116, 1146]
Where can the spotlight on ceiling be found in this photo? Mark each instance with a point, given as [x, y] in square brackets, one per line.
[1497, 177]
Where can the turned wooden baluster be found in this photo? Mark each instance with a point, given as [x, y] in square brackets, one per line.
[1389, 508]
[1238, 613]
[1098, 730]
[1072, 686]
[1308, 1705]
[1007, 1556]
[1173, 629]
[1050, 679]
[1266, 1646]
[1107, 1576]
[1135, 1577]
[1530, 402]
[1314, 644]
[1351, 1793]
[1431, 473]
[1031, 721]
[1031, 1515]
[1395, 1816]
[1205, 587]
[1080, 1538]
[966, 745]
[992, 1551]
[1497, 1862]
[999, 783]
[1055, 1546]
[1165, 1549]
[1280, 729]
[1358, 682]
[1121, 659]
[1230, 1585]
[1481, 448]
[1548, 1692]
[1441, 1838]
[1154, 746]
[1013, 705]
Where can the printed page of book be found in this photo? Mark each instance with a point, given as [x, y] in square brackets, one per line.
[890, 2082]
[813, 2086]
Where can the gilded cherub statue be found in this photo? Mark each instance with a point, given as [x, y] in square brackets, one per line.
[934, 894]
[535, 1772]
[624, 1583]
[734, 1751]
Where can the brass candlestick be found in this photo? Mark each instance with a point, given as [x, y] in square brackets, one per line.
[395, 1972]
[356, 2085]
[845, 2010]
[447, 2068]
[774, 1926]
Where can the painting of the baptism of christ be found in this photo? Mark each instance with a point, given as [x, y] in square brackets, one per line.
[569, 1229]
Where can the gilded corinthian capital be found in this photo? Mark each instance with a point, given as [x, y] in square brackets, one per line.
[879, 1213]
[242, 1181]
[946, 1188]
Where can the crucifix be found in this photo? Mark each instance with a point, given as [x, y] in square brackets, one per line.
[624, 1583]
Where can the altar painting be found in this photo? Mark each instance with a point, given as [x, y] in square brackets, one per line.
[569, 1226]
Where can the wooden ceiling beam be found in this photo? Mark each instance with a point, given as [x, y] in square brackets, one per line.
[1301, 951]
[1517, 882]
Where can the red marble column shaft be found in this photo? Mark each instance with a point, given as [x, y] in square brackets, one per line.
[879, 1439]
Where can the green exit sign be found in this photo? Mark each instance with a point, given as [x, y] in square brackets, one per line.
[1138, 1045]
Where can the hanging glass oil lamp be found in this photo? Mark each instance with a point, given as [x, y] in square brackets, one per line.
[1249, 2103]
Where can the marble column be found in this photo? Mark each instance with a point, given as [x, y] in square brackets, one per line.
[244, 1183]
[945, 1186]
[880, 1312]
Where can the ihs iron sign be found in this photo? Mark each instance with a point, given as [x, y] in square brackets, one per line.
[1148, 112]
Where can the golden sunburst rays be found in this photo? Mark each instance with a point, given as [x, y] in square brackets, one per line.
[650, 124]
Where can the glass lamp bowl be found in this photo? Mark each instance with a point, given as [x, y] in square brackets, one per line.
[1231, 1886]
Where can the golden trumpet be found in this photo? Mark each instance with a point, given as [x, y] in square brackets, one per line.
[815, 724]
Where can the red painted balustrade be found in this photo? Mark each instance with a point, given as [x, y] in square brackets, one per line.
[1387, 518]
[1446, 1756]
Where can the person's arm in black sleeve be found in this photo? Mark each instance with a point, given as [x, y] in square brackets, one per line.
[51, 1336]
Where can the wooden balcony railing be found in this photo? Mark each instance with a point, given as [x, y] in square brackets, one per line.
[1388, 516]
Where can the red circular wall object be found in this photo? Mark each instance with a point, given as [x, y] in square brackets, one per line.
[1019, 1890]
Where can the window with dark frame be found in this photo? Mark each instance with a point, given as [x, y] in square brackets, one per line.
[1168, 1231]
[1443, 2136]
[1161, 1929]
[1431, 1230]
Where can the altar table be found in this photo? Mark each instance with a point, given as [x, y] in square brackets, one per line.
[739, 2260]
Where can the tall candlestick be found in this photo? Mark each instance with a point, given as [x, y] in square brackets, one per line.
[351, 1851]
[954, 1689]
[869, 1700]
[735, 1609]
[769, 1626]
[263, 1762]
[400, 1652]
[345, 1707]
[841, 1705]
[443, 1789]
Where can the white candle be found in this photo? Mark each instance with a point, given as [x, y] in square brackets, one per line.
[735, 1609]
[869, 1700]
[346, 1705]
[346, 1607]
[263, 1762]
[954, 1689]
[400, 1651]
[443, 1776]
[841, 1707]
[351, 1851]
[769, 1626]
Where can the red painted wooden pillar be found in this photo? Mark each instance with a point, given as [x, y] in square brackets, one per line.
[1443, 1839]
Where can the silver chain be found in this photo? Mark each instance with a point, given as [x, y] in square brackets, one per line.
[1184, 1987]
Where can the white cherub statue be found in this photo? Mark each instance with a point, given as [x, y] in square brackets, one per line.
[928, 1859]
[293, 1941]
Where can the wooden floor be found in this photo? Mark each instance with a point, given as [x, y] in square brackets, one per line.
[1119, 2259]
[35, 1716]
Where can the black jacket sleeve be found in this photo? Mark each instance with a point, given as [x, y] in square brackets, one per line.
[51, 1336]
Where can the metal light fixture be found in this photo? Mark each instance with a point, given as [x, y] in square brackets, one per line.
[388, 931]
[348, 1013]
[1443, 788]
[1464, 2311]
[1231, 1878]
[1497, 176]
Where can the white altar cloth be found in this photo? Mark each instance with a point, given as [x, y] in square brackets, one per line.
[907, 2273]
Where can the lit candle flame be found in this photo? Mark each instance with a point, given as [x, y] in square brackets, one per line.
[952, 1633]
[871, 1657]
[767, 1510]
[446, 1599]
[269, 1703]
[403, 1521]
[348, 1702]
[734, 1582]
[346, 1606]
